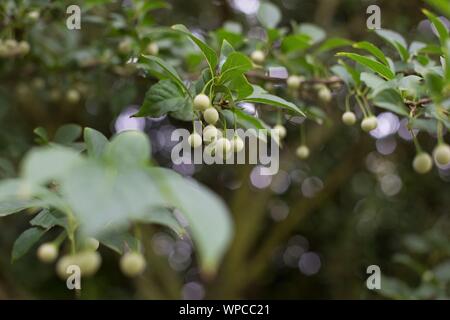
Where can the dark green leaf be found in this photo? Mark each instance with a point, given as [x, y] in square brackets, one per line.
[25, 242]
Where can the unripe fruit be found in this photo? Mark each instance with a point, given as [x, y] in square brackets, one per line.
[294, 82]
[237, 144]
[325, 95]
[423, 163]
[73, 96]
[280, 130]
[152, 49]
[210, 133]
[125, 46]
[132, 264]
[201, 102]
[92, 244]
[47, 252]
[195, 140]
[23, 47]
[369, 124]
[223, 146]
[89, 262]
[34, 15]
[441, 154]
[258, 57]
[211, 115]
[349, 118]
[302, 152]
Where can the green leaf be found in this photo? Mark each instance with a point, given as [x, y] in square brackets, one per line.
[25, 242]
[163, 98]
[441, 29]
[261, 96]
[314, 33]
[209, 221]
[48, 219]
[170, 71]
[67, 134]
[240, 86]
[120, 242]
[164, 217]
[396, 40]
[375, 66]
[225, 50]
[207, 51]
[11, 206]
[441, 5]
[42, 165]
[391, 100]
[374, 50]
[269, 15]
[244, 120]
[372, 81]
[333, 43]
[95, 142]
[235, 65]
[129, 149]
[295, 42]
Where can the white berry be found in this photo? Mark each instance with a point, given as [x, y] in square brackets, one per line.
[423, 163]
[369, 124]
[349, 118]
[201, 102]
[237, 144]
[73, 96]
[210, 133]
[92, 244]
[195, 140]
[89, 262]
[223, 146]
[302, 152]
[441, 154]
[152, 49]
[211, 115]
[258, 57]
[325, 95]
[280, 131]
[132, 264]
[47, 252]
[294, 82]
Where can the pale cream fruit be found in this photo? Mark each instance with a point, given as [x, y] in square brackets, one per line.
[303, 152]
[34, 15]
[237, 144]
[47, 252]
[125, 46]
[73, 96]
[195, 140]
[24, 47]
[201, 102]
[280, 131]
[441, 154]
[210, 133]
[132, 264]
[223, 146]
[88, 261]
[211, 115]
[152, 49]
[92, 244]
[325, 95]
[258, 57]
[423, 163]
[294, 82]
[349, 118]
[369, 124]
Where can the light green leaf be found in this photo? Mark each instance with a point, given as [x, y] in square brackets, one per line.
[207, 51]
[95, 142]
[269, 15]
[11, 206]
[374, 50]
[235, 65]
[314, 33]
[441, 5]
[391, 100]
[396, 40]
[295, 42]
[120, 242]
[333, 43]
[129, 149]
[25, 242]
[164, 217]
[49, 218]
[375, 66]
[441, 29]
[67, 134]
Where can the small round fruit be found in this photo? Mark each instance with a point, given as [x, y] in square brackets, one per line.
[201, 102]
[294, 82]
[280, 131]
[423, 163]
[369, 124]
[132, 264]
[125, 46]
[441, 154]
[73, 96]
[210, 133]
[47, 252]
[152, 49]
[24, 47]
[89, 262]
[237, 144]
[349, 118]
[302, 152]
[34, 15]
[325, 95]
[195, 140]
[211, 115]
[92, 244]
[258, 57]
[223, 146]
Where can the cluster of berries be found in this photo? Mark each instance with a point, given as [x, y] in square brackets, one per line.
[10, 48]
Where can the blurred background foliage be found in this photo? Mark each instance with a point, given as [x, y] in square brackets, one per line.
[309, 232]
